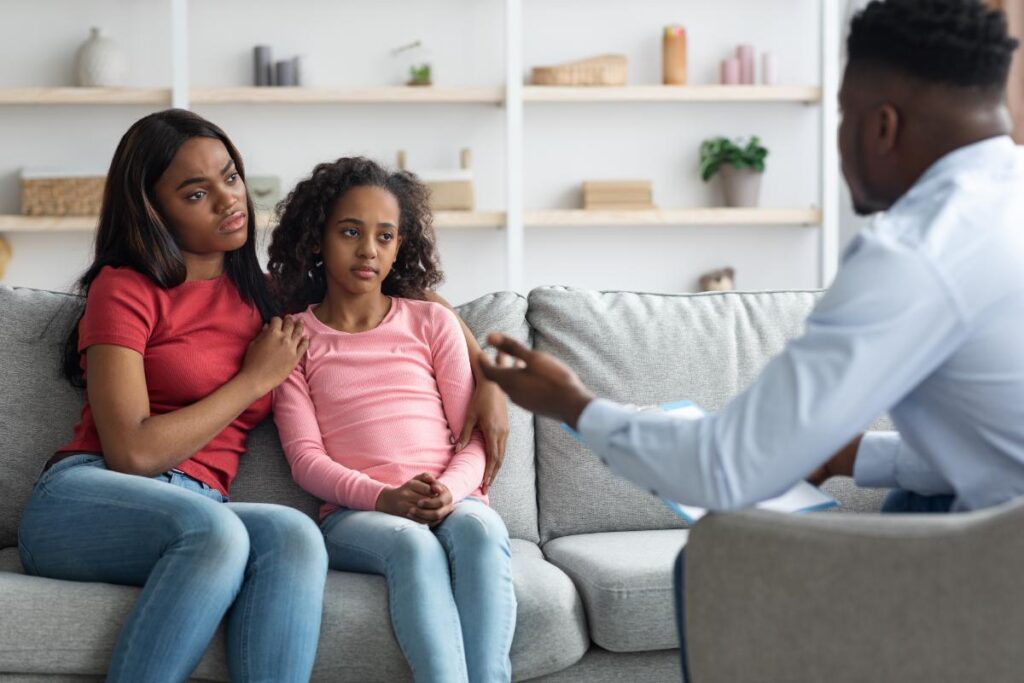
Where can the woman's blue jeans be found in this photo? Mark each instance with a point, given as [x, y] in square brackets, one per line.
[452, 603]
[197, 559]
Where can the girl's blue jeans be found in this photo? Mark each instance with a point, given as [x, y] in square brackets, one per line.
[197, 559]
[452, 603]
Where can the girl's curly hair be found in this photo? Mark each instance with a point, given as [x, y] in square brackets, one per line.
[295, 278]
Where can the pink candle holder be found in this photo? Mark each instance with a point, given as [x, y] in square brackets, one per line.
[745, 54]
[730, 71]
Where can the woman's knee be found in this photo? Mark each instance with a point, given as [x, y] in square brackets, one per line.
[216, 535]
[298, 537]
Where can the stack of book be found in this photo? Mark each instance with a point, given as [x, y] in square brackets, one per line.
[617, 194]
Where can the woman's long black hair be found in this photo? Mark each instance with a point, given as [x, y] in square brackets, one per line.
[132, 232]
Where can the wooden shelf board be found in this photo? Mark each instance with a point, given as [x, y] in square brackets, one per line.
[37, 224]
[669, 93]
[697, 216]
[160, 96]
[369, 95]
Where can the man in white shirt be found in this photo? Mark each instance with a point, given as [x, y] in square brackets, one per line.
[925, 318]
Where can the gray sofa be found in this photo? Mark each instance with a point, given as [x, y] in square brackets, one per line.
[592, 554]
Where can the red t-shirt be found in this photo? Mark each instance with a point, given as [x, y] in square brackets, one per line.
[192, 338]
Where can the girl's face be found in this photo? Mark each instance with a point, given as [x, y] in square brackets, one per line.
[203, 200]
[360, 240]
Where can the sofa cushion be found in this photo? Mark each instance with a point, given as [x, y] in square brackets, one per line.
[625, 578]
[514, 493]
[645, 349]
[68, 627]
[38, 410]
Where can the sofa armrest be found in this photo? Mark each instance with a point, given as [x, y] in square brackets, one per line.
[773, 597]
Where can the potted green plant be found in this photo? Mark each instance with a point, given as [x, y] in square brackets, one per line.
[740, 167]
[420, 74]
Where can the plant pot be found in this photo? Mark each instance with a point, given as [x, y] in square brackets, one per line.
[741, 187]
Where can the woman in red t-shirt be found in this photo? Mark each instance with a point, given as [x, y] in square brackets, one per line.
[180, 352]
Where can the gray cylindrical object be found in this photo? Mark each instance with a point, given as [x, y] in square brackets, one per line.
[285, 72]
[297, 63]
[263, 65]
[741, 187]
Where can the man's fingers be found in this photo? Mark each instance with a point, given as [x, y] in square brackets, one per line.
[500, 376]
[509, 345]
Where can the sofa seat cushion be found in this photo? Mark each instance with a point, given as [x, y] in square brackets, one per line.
[66, 627]
[625, 578]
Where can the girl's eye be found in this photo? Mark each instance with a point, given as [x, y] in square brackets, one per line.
[386, 237]
[196, 196]
[232, 178]
[350, 232]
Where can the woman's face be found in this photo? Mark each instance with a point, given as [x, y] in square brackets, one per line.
[203, 200]
[360, 240]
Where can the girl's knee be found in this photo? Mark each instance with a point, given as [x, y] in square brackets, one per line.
[415, 544]
[478, 525]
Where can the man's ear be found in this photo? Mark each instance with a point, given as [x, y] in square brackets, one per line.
[887, 129]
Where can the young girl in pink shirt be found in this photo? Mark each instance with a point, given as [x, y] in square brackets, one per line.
[368, 418]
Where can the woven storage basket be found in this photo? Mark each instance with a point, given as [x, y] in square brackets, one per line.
[61, 196]
[600, 70]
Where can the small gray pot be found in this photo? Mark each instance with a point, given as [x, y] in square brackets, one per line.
[741, 187]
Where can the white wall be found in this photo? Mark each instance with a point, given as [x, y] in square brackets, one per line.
[348, 43]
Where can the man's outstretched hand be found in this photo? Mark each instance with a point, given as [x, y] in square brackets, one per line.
[535, 380]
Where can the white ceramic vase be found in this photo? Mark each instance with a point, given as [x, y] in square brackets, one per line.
[100, 63]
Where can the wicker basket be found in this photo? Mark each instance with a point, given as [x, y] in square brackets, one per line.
[600, 70]
[72, 195]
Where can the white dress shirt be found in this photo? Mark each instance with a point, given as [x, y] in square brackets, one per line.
[925, 320]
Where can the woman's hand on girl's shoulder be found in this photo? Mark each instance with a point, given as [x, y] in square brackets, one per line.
[274, 353]
[488, 412]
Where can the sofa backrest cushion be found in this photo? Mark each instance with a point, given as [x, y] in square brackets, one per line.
[644, 349]
[38, 410]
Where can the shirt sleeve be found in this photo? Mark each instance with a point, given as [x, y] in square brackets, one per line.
[454, 375]
[120, 309]
[885, 324]
[312, 468]
[884, 460]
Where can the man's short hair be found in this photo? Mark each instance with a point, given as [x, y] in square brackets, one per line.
[951, 42]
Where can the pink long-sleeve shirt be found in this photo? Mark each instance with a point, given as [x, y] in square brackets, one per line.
[362, 412]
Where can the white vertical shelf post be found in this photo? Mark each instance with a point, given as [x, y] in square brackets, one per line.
[179, 54]
[830, 39]
[514, 234]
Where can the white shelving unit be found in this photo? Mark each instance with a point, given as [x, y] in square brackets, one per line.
[513, 96]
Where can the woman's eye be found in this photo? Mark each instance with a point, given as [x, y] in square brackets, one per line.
[196, 196]
[232, 178]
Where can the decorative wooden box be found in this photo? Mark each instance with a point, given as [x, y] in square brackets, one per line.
[599, 70]
[61, 193]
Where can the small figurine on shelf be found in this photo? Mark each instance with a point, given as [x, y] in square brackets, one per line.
[723, 280]
[741, 168]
